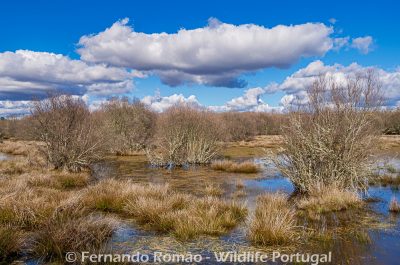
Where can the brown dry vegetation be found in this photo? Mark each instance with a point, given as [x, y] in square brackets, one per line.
[330, 141]
[330, 199]
[394, 206]
[69, 132]
[235, 167]
[273, 222]
[161, 209]
[185, 135]
[129, 126]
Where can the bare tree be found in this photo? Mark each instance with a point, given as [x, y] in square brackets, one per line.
[328, 141]
[130, 126]
[65, 125]
[185, 135]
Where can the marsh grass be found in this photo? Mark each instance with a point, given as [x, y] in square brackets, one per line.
[13, 167]
[330, 200]
[208, 216]
[11, 240]
[391, 169]
[235, 167]
[213, 190]
[394, 206]
[273, 222]
[59, 180]
[111, 195]
[240, 184]
[386, 180]
[239, 194]
[70, 229]
[160, 209]
[16, 147]
[27, 209]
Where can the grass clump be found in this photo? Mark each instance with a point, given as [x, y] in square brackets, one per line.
[27, 209]
[394, 206]
[239, 194]
[213, 190]
[208, 216]
[157, 213]
[273, 222]
[235, 167]
[330, 200]
[10, 242]
[70, 229]
[59, 180]
[111, 195]
[13, 167]
[185, 216]
[386, 180]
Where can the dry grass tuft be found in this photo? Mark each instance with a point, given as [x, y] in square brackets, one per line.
[386, 180]
[240, 184]
[163, 210]
[17, 147]
[208, 216]
[330, 200]
[394, 206]
[11, 241]
[59, 180]
[111, 195]
[27, 209]
[239, 194]
[71, 230]
[13, 167]
[234, 167]
[213, 190]
[273, 222]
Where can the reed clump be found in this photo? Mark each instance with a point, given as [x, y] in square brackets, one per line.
[330, 200]
[273, 222]
[70, 229]
[235, 167]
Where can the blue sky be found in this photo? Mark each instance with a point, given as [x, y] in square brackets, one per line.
[57, 26]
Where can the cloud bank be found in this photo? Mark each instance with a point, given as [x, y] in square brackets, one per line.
[295, 85]
[216, 54]
[27, 74]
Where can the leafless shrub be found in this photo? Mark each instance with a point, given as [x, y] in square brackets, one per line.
[184, 135]
[329, 141]
[391, 121]
[237, 126]
[129, 126]
[69, 131]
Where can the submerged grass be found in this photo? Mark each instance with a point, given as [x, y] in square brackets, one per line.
[273, 222]
[235, 167]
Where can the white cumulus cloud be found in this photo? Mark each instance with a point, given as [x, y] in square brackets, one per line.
[216, 54]
[363, 44]
[26, 74]
[159, 103]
